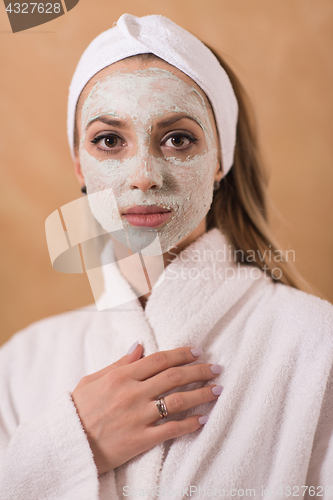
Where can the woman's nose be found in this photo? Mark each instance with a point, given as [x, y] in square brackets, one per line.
[146, 176]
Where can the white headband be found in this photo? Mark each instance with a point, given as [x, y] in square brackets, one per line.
[158, 35]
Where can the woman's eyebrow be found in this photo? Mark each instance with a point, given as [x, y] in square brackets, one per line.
[174, 119]
[113, 122]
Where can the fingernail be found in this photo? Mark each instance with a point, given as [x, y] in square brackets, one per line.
[196, 352]
[216, 369]
[203, 420]
[217, 389]
[132, 348]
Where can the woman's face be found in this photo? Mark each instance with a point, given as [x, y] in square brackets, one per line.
[148, 151]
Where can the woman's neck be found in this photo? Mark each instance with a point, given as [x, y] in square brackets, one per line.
[135, 278]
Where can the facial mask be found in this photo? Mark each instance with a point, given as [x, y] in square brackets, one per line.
[182, 184]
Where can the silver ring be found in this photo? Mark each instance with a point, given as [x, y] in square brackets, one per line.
[161, 406]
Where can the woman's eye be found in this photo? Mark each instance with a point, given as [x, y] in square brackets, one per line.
[109, 141]
[179, 141]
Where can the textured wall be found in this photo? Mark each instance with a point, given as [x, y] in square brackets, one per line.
[281, 50]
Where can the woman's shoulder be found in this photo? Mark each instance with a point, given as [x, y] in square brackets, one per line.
[301, 311]
[303, 302]
[57, 330]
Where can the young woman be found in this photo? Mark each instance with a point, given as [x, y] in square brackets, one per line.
[162, 142]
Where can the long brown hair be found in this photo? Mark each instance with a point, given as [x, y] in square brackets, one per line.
[239, 207]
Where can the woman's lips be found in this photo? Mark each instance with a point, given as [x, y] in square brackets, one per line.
[149, 216]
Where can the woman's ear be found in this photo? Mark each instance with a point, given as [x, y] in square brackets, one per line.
[218, 171]
[78, 171]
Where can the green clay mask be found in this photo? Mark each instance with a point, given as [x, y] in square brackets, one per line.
[181, 182]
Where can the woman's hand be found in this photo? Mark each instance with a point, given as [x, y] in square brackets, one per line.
[117, 407]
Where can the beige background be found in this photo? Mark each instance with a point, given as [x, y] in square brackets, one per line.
[281, 50]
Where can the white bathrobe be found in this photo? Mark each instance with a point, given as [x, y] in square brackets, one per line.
[271, 429]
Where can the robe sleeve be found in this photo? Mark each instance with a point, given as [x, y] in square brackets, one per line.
[45, 457]
[320, 472]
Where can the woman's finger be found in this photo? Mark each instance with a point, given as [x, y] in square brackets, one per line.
[171, 430]
[135, 353]
[181, 401]
[162, 360]
[177, 376]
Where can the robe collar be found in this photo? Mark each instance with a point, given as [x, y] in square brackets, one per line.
[195, 290]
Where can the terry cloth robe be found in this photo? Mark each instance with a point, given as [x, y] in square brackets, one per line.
[268, 435]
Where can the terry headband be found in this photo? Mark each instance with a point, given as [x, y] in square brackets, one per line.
[158, 35]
